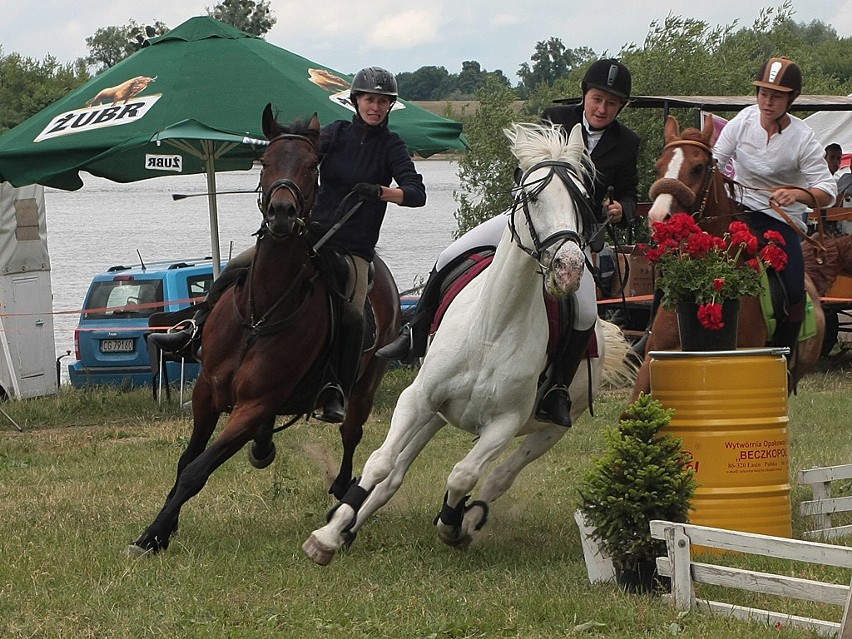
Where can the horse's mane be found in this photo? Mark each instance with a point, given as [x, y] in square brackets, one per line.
[539, 142]
[299, 127]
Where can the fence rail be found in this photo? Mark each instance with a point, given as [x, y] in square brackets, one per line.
[823, 505]
[685, 573]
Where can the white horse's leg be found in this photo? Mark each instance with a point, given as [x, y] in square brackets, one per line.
[405, 427]
[492, 441]
[499, 480]
[383, 491]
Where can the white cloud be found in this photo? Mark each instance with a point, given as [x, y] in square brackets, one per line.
[405, 30]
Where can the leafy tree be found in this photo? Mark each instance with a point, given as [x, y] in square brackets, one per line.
[427, 83]
[551, 61]
[435, 83]
[246, 15]
[485, 172]
[28, 85]
[110, 45]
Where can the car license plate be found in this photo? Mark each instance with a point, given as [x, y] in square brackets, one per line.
[116, 345]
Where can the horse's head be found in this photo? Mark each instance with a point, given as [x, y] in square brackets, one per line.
[685, 172]
[288, 179]
[556, 212]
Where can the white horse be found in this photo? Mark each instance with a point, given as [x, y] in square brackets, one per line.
[483, 365]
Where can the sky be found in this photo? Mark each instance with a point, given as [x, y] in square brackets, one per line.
[402, 35]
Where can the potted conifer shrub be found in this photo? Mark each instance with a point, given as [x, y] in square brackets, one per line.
[642, 475]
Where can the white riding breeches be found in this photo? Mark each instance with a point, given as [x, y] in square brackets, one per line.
[490, 232]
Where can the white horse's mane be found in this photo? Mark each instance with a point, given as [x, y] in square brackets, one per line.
[533, 143]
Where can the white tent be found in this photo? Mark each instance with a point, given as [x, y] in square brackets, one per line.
[833, 126]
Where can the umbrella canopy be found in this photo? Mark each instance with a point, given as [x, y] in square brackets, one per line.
[190, 102]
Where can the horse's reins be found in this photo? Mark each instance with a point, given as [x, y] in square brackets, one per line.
[258, 327]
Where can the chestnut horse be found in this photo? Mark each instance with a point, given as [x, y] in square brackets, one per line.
[266, 343]
[690, 181]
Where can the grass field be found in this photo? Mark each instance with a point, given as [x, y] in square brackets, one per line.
[91, 469]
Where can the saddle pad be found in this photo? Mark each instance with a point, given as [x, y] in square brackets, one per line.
[469, 269]
[808, 328]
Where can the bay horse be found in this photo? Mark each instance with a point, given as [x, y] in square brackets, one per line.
[688, 180]
[482, 368]
[266, 343]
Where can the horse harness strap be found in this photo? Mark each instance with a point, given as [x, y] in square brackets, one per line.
[683, 193]
[818, 245]
[561, 169]
[264, 198]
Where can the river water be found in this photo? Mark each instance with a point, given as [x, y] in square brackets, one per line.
[105, 223]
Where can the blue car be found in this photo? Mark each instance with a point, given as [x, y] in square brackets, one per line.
[110, 340]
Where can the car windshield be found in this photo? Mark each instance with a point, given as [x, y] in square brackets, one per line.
[124, 298]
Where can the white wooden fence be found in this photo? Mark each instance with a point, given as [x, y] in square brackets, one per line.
[823, 504]
[684, 573]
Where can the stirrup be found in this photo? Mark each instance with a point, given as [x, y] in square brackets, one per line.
[333, 409]
[544, 414]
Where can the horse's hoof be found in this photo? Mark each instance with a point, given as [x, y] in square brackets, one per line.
[318, 552]
[453, 536]
[261, 461]
[135, 552]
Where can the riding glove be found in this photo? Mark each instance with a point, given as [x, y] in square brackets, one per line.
[368, 192]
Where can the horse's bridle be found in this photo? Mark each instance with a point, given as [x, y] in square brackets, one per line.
[679, 190]
[303, 204]
[566, 172]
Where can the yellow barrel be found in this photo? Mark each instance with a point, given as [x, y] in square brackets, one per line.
[731, 413]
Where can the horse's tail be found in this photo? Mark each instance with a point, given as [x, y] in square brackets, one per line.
[620, 364]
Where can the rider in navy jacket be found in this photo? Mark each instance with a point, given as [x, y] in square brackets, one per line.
[355, 152]
[359, 160]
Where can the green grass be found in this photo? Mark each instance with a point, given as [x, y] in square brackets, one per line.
[90, 471]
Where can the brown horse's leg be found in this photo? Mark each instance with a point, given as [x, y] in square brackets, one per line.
[194, 468]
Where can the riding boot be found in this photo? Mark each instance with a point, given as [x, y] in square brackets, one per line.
[414, 335]
[787, 334]
[555, 405]
[179, 336]
[348, 356]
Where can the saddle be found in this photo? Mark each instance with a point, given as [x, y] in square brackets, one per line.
[469, 266]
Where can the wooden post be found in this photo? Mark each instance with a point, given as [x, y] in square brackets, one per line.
[846, 622]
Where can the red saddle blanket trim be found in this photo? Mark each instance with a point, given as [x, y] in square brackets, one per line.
[478, 264]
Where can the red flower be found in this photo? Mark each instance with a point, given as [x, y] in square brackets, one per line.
[718, 283]
[775, 256]
[775, 237]
[710, 316]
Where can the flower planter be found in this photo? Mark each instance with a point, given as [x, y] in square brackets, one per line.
[695, 337]
[598, 565]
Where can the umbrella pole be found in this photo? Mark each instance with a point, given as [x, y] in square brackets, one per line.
[209, 164]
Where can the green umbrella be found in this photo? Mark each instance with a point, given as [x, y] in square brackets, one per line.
[190, 101]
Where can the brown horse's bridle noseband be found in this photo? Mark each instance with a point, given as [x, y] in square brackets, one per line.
[679, 190]
[303, 203]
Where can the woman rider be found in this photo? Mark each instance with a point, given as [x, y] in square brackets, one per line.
[359, 158]
[614, 149]
[778, 160]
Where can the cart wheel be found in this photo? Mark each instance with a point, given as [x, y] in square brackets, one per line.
[831, 328]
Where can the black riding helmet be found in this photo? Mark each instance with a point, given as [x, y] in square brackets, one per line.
[373, 80]
[608, 75]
